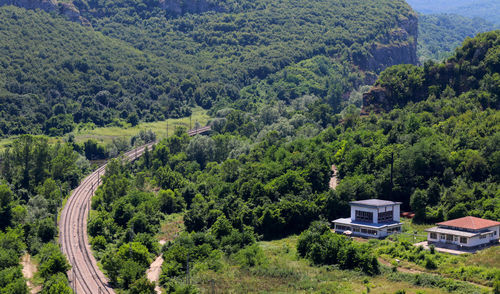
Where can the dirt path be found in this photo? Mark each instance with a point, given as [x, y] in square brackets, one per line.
[29, 270]
[154, 271]
[334, 181]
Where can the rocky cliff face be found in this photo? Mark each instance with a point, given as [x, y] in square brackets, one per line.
[398, 47]
[67, 9]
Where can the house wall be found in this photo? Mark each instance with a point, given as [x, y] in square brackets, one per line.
[397, 213]
[497, 230]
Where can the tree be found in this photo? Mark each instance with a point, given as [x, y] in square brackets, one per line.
[418, 203]
[142, 286]
[133, 119]
[52, 261]
[201, 149]
[169, 203]
[6, 197]
[57, 284]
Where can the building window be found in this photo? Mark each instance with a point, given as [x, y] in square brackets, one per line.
[385, 217]
[433, 236]
[463, 240]
[364, 216]
[369, 232]
[343, 228]
[449, 237]
[482, 237]
[355, 229]
[442, 236]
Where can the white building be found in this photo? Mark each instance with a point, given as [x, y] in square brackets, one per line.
[372, 218]
[468, 232]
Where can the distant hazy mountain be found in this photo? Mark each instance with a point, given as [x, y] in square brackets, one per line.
[487, 9]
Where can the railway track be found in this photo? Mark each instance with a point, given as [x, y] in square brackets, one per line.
[85, 276]
[200, 130]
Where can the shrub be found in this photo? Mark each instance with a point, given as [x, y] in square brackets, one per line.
[429, 263]
[250, 256]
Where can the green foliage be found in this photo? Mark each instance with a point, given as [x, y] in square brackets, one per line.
[472, 75]
[56, 284]
[37, 177]
[52, 261]
[321, 246]
[250, 256]
[145, 61]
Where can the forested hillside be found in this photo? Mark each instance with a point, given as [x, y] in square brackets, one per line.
[264, 174]
[440, 34]
[149, 64]
[55, 74]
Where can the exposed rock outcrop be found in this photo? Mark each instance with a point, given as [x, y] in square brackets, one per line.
[398, 47]
[375, 100]
[67, 9]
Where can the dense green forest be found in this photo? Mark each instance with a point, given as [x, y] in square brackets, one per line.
[440, 34]
[263, 174]
[486, 9]
[139, 63]
[36, 177]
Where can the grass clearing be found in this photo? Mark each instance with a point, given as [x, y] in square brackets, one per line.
[285, 272]
[107, 134]
[171, 227]
[489, 257]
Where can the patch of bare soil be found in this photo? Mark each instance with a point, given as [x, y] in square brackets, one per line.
[153, 273]
[29, 270]
[334, 180]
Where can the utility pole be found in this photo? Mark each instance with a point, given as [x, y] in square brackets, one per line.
[392, 169]
[187, 269]
[190, 122]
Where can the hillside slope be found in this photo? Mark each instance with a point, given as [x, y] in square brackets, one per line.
[165, 62]
[265, 174]
[54, 73]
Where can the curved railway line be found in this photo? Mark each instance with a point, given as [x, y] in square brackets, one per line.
[85, 276]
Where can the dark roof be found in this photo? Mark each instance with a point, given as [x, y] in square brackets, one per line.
[470, 222]
[374, 202]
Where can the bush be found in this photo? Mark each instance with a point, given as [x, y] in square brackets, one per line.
[250, 256]
[321, 246]
[429, 263]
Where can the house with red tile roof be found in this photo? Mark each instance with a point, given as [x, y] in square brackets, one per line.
[466, 232]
